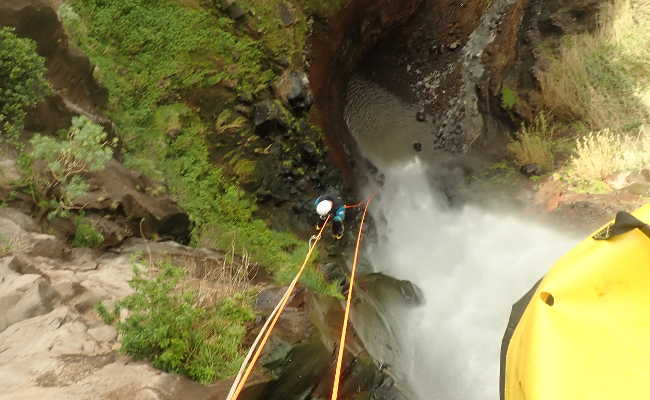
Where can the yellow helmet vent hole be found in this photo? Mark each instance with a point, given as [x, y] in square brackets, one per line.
[547, 298]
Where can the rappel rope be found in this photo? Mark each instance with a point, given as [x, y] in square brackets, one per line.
[339, 362]
[261, 339]
[263, 336]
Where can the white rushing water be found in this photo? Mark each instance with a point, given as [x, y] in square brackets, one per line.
[471, 266]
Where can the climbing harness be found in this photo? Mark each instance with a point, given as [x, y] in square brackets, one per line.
[248, 364]
[339, 362]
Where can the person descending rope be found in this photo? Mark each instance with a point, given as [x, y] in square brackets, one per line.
[331, 204]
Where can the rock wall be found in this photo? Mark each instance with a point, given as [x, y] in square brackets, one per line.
[460, 57]
[336, 46]
[514, 57]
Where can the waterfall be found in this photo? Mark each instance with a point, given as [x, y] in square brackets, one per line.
[470, 264]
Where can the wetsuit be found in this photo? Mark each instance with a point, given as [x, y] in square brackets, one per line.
[337, 213]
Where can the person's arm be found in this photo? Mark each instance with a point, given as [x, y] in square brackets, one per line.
[340, 214]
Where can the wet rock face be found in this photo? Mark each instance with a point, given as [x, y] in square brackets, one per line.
[268, 116]
[454, 60]
[512, 58]
[337, 45]
[294, 91]
[500, 51]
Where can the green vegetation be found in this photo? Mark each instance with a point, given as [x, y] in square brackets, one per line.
[508, 98]
[601, 154]
[84, 149]
[534, 143]
[167, 326]
[598, 85]
[6, 246]
[152, 56]
[22, 81]
[284, 42]
[85, 234]
[499, 174]
[603, 78]
[223, 213]
[174, 72]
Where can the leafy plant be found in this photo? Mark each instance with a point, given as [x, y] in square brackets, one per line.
[508, 98]
[109, 317]
[85, 234]
[166, 326]
[22, 81]
[152, 58]
[85, 149]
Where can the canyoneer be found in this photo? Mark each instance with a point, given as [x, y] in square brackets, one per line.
[331, 204]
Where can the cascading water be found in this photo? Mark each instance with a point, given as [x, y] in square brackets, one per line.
[470, 264]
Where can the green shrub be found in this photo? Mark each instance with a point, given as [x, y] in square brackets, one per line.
[85, 149]
[85, 234]
[22, 81]
[151, 53]
[534, 144]
[166, 326]
[109, 317]
[508, 98]
[150, 56]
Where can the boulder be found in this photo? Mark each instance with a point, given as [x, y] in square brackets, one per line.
[529, 170]
[62, 356]
[41, 245]
[638, 188]
[269, 115]
[234, 10]
[8, 172]
[294, 91]
[118, 191]
[23, 296]
[11, 234]
[24, 221]
[113, 232]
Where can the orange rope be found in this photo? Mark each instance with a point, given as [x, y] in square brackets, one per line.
[355, 205]
[359, 204]
[276, 316]
[339, 362]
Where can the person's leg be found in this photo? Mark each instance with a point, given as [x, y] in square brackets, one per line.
[319, 223]
[337, 229]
